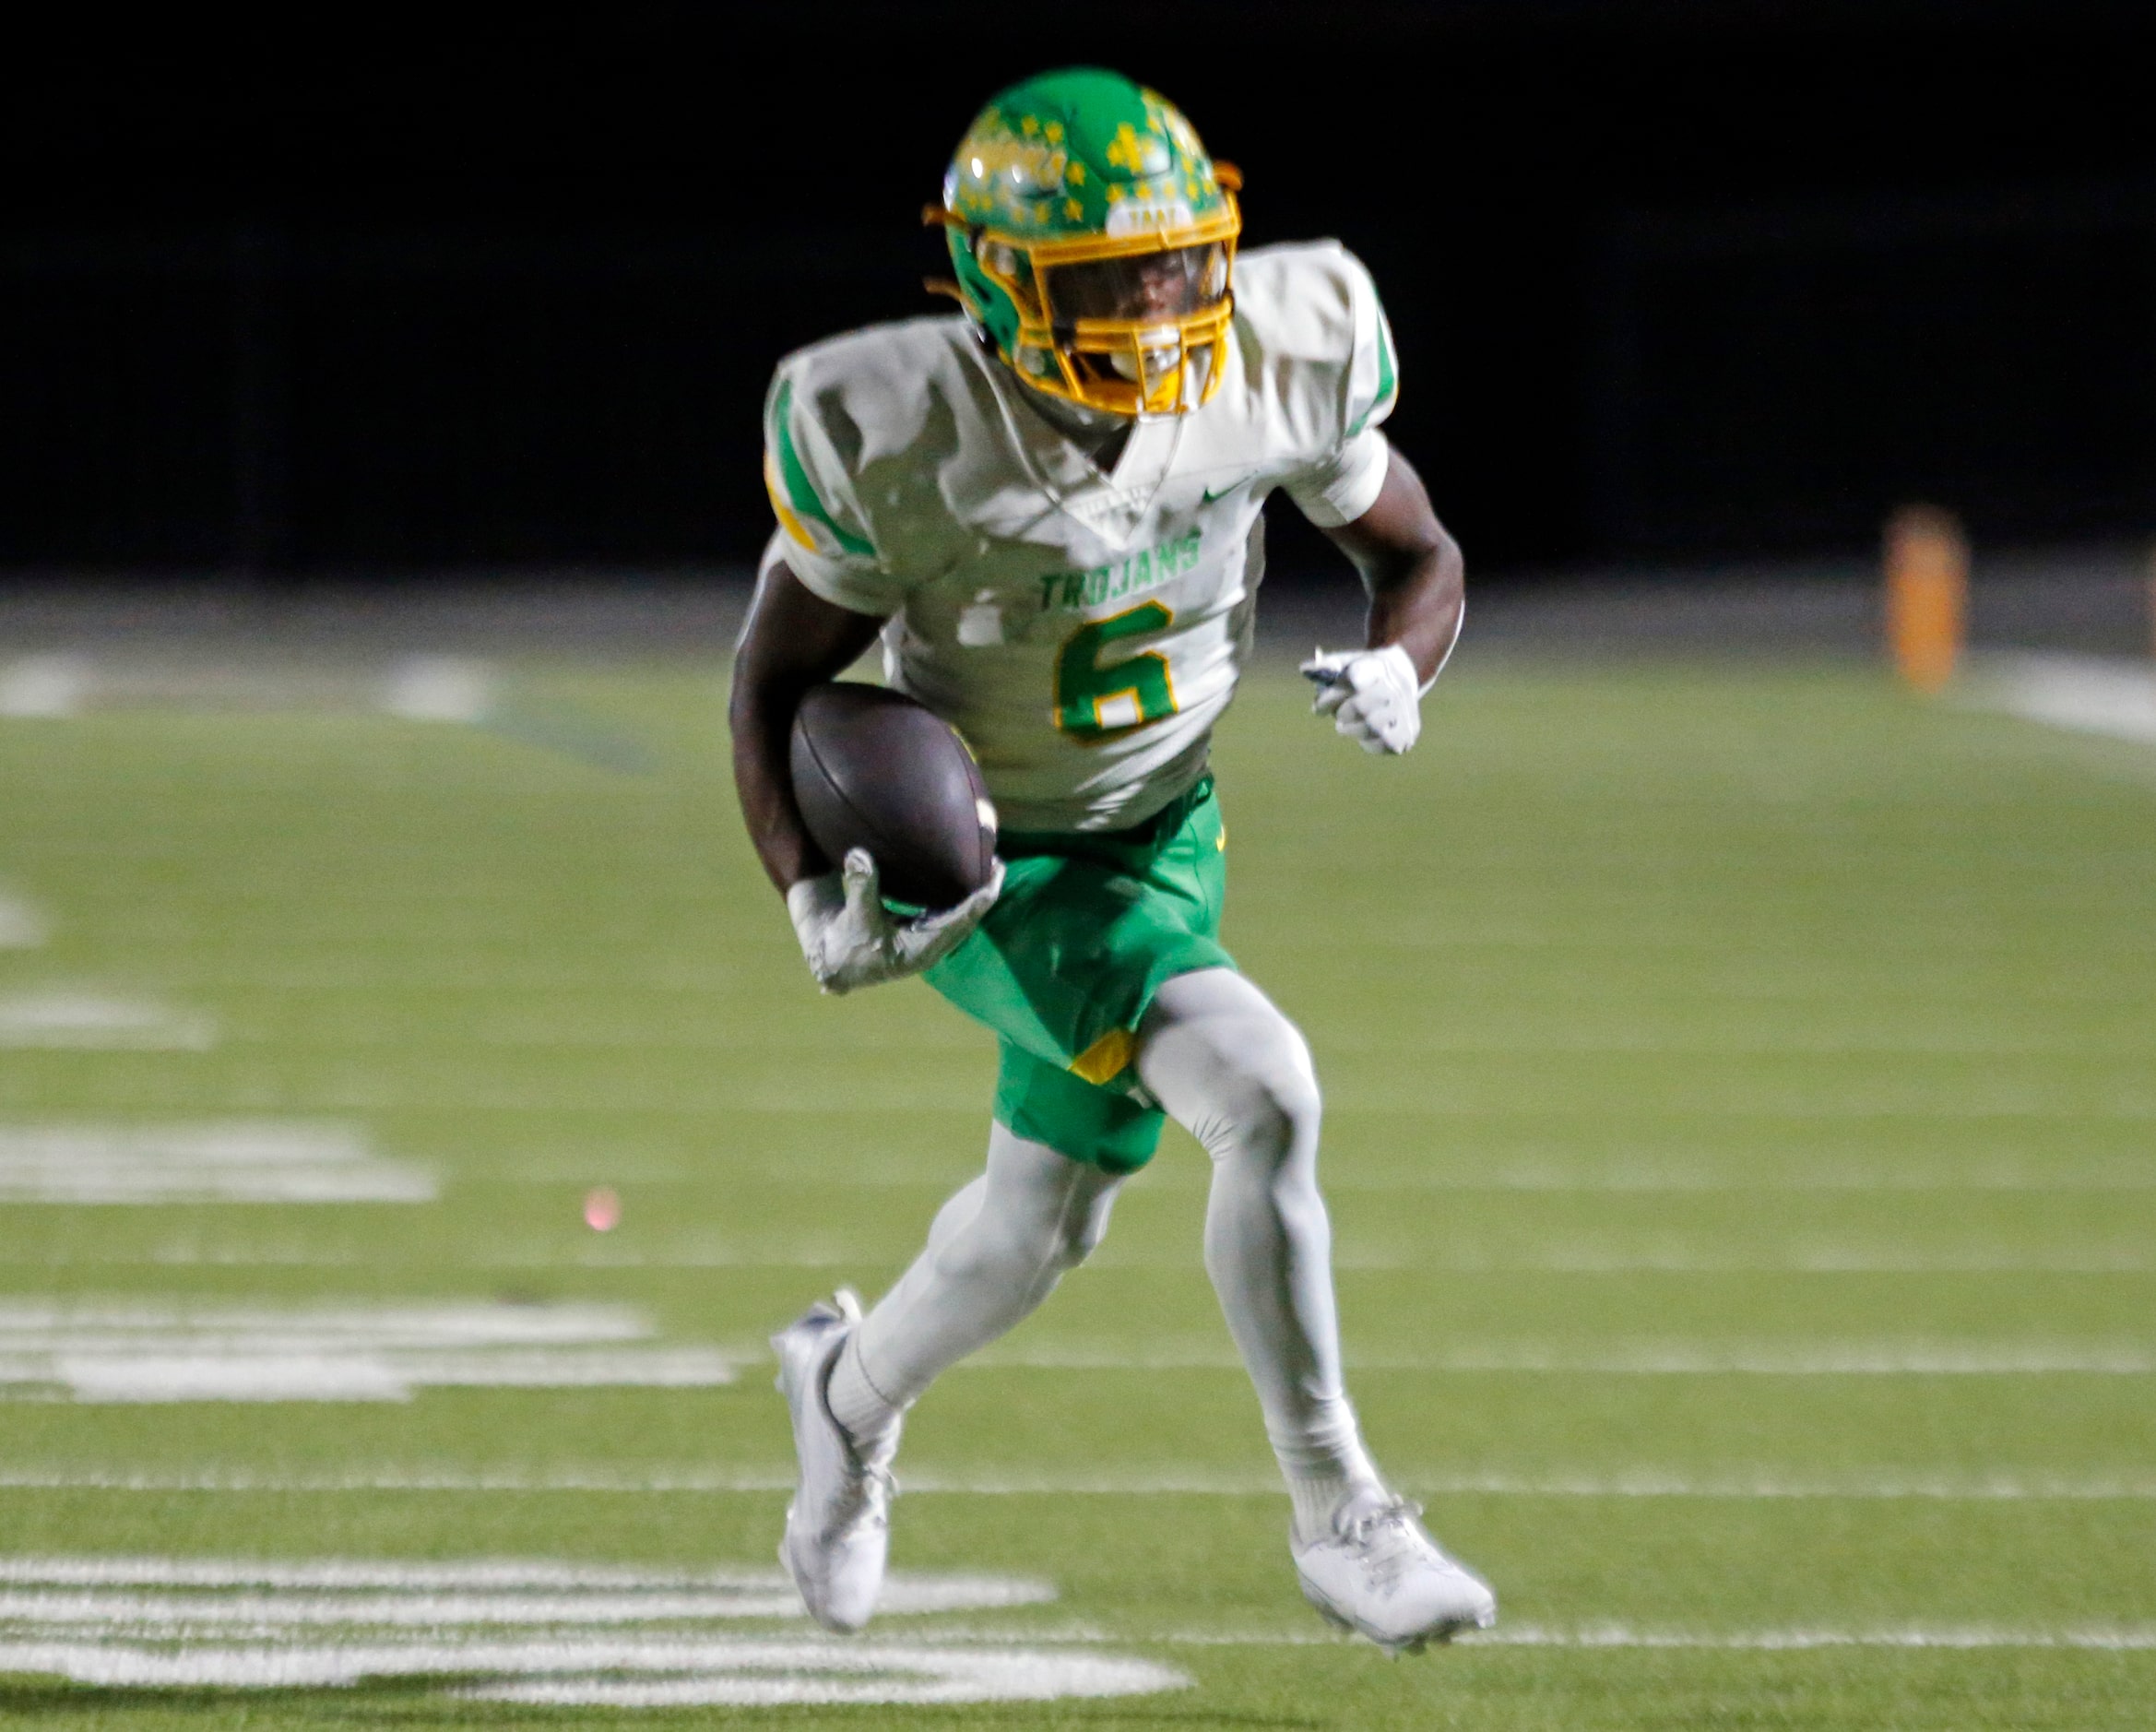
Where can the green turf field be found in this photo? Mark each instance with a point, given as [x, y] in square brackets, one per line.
[1741, 1147]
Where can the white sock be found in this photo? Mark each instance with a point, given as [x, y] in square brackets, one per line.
[1235, 1073]
[862, 1411]
[1320, 1498]
[997, 1248]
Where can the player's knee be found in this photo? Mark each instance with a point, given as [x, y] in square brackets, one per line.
[1275, 1106]
[1024, 1243]
[1287, 1112]
[1001, 1254]
[1081, 1232]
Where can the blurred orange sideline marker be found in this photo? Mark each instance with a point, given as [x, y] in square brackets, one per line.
[1928, 594]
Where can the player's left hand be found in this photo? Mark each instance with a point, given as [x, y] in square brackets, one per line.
[1372, 695]
[849, 939]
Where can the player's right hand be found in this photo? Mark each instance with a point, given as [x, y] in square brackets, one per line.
[1372, 695]
[851, 939]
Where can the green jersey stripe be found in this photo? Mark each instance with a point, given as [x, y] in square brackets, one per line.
[1388, 380]
[801, 491]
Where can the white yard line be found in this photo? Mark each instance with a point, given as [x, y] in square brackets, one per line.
[1808, 1260]
[2084, 693]
[511, 1481]
[2139, 1176]
[63, 1018]
[2122, 1637]
[595, 1635]
[2131, 1176]
[492, 1575]
[1776, 1043]
[545, 1093]
[2102, 1638]
[1819, 1259]
[600, 1671]
[23, 925]
[514, 1631]
[1736, 1488]
[596, 1255]
[418, 688]
[1193, 1481]
[45, 687]
[780, 1046]
[905, 1592]
[142, 1351]
[240, 1161]
[1642, 1359]
[439, 688]
[126, 1326]
[172, 1614]
[2098, 1638]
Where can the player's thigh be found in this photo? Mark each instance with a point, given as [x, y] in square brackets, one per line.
[1067, 962]
[1109, 1128]
[1228, 1065]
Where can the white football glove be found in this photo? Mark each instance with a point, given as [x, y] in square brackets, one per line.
[1372, 695]
[852, 940]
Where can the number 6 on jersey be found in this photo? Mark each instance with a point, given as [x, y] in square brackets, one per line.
[1096, 701]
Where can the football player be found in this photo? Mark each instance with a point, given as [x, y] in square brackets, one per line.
[1047, 508]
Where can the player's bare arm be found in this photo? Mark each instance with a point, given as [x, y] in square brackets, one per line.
[1412, 569]
[794, 639]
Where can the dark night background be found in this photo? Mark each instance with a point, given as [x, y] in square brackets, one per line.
[378, 292]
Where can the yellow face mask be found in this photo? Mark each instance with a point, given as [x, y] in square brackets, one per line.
[1132, 324]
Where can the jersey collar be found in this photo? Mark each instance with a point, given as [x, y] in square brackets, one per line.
[1113, 506]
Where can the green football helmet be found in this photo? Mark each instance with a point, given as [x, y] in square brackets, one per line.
[1094, 241]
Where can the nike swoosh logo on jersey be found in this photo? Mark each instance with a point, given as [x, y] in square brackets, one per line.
[1209, 496]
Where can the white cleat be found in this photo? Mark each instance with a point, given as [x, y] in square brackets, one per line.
[1380, 1574]
[838, 1526]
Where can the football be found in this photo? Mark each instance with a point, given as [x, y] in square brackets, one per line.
[873, 769]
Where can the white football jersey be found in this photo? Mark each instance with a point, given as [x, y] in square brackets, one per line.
[1084, 631]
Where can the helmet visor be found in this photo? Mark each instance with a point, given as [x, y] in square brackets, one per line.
[1139, 288]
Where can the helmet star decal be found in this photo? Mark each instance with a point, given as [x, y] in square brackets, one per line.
[1141, 155]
